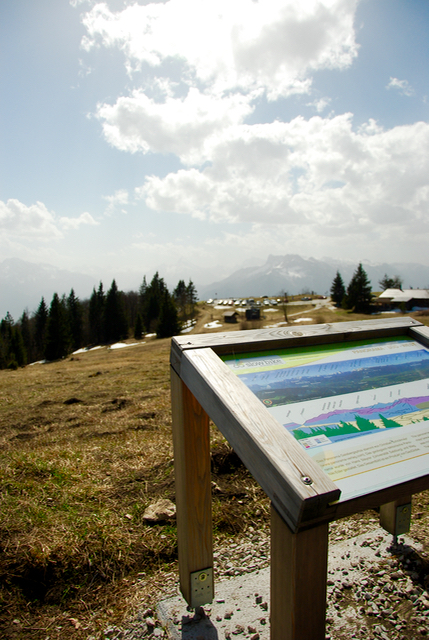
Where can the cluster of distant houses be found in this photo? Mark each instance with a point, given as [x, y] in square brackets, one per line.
[390, 300]
[402, 300]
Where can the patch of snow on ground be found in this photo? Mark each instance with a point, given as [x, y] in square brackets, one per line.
[121, 345]
[304, 320]
[213, 325]
[150, 335]
[38, 362]
[94, 348]
[188, 326]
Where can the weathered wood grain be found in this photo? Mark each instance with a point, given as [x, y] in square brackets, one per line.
[272, 455]
[298, 581]
[285, 337]
[193, 484]
[421, 334]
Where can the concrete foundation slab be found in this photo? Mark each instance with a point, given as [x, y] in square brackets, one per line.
[241, 604]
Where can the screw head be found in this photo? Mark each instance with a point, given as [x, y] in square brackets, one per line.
[307, 480]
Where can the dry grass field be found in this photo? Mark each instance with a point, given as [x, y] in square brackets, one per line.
[85, 447]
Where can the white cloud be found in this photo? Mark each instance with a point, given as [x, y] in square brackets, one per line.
[320, 105]
[33, 222]
[75, 223]
[182, 126]
[402, 86]
[307, 179]
[316, 172]
[227, 45]
[118, 200]
[22, 223]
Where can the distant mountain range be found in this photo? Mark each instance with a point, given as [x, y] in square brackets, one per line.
[295, 274]
[22, 284]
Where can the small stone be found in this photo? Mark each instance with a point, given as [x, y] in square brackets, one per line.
[262, 621]
[228, 615]
[255, 636]
[159, 511]
[238, 629]
[150, 622]
[258, 599]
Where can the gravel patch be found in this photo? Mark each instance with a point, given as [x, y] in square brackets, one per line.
[374, 591]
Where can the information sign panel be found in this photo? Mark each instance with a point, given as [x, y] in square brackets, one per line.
[330, 420]
[360, 410]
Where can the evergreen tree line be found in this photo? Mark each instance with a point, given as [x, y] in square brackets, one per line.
[358, 294]
[69, 324]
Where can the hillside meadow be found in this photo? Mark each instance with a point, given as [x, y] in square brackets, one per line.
[85, 447]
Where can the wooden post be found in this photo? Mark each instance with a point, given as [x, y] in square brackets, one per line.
[193, 494]
[298, 581]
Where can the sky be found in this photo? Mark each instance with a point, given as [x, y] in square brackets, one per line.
[196, 137]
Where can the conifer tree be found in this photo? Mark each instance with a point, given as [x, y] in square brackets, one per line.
[17, 354]
[338, 290]
[181, 299]
[7, 359]
[390, 283]
[389, 423]
[115, 321]
[168, 324]
[3, 352]
[191, 298]
[153, 299]
[27, 336]
[364, 424]
[138, 328]
[57, 331]
[40, 323]
[359, 291]
[75, 320]
[96, 316]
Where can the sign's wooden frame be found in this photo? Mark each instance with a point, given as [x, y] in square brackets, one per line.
[303, 497]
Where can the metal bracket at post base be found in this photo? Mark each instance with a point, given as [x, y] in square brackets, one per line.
[395, 518]
[202, 587]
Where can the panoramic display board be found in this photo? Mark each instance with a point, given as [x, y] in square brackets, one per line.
[359, 409]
